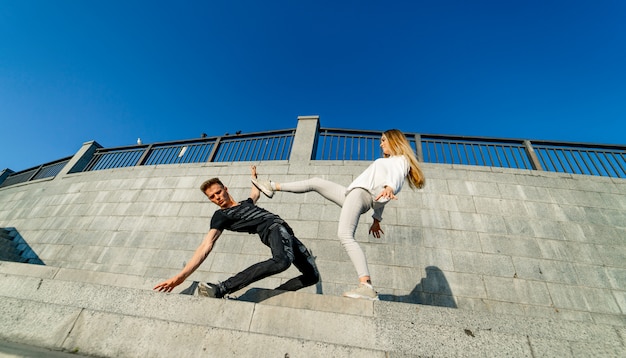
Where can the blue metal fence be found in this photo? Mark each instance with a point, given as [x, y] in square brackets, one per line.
[475, 151]
[601, 160]
[42, 171]
[179, 153]
[574, 158]
[274, 145]
[115, 158]
[339, 144]
[342, 144]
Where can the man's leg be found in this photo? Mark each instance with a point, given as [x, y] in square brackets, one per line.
[305, 262]
[280, 242]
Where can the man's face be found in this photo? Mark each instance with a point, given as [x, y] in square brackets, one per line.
[218, 195]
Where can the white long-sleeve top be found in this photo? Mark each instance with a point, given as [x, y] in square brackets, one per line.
[390, 172]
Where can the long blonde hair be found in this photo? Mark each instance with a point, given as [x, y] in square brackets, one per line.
[399, 145]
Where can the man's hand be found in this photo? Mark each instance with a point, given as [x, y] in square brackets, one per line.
[375, 229]
[168, 286]
[253, 171]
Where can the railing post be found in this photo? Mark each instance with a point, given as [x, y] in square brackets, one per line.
[305, 140]
[534, 160]
[418, 148]
[144, 156]
[211, 157]
[34, 174]
[80, 160]
[4, 174]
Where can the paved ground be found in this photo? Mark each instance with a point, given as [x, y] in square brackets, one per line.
[16, 350]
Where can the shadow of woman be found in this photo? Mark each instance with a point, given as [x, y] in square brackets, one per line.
[433, 290]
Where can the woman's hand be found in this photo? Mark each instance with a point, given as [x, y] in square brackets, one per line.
[375, 229]
[386, 193]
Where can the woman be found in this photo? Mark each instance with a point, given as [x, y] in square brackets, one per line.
[378, 184]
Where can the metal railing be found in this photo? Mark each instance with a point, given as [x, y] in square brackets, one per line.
[343, 144]
[179, 153]
[475, 151]
[42, 171]
[274, 145]
[109, 158]
[601, 160]
[268, 146]
[574, 158]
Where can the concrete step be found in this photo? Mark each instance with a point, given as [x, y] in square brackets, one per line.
[110, 321]
[17, 350]
[44, 309]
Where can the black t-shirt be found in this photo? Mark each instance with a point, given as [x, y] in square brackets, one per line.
[245, 217]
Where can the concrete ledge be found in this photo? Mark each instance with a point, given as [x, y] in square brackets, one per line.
[109, 321]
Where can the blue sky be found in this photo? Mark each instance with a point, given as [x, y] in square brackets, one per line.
[72, 71]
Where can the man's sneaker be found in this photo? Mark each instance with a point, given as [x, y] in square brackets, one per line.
[264, 186]
[211, 290]
[365, 291]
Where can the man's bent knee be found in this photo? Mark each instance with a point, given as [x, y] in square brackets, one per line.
[311, 279]
[281, 263]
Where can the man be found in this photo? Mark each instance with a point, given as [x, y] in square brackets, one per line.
[245, 216]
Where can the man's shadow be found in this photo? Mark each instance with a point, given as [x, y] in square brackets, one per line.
[14, 248]
[432, 290]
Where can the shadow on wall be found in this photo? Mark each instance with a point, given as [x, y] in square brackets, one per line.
[433, 290]
[15, 249]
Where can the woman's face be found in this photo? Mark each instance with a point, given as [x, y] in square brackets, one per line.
[384, 145]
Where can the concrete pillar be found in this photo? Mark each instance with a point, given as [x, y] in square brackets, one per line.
[4, 174]
[80, 160]
[418, 148]
[305, 140]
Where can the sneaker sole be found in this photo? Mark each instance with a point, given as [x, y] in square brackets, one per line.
[362, 297]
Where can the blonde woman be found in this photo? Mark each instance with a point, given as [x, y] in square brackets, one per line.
[372, 189]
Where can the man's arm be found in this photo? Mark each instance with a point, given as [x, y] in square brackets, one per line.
[254, 191]
[196, 260]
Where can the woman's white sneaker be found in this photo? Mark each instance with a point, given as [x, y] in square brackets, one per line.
[365, 291]
[264, 186]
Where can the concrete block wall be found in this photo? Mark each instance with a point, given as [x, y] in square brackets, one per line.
[476, 238]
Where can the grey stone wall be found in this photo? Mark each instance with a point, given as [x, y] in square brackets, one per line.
[476, 238]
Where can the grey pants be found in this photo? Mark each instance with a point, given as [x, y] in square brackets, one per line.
[358, 201]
